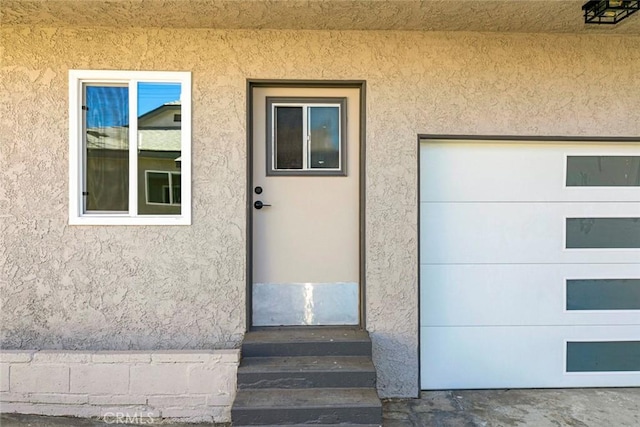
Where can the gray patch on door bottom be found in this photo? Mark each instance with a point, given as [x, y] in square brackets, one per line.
[291, 304]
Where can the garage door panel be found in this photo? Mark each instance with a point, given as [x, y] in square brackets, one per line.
[496, 169]
[530, 264]
[503, 295]
[513, 356]
[500, 172]
[462, 233]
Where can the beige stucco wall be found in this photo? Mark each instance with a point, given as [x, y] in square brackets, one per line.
[109, 287]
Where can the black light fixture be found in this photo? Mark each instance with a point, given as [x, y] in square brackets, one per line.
[609, 11]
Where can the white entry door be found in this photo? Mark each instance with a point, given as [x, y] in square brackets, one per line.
[305, 198]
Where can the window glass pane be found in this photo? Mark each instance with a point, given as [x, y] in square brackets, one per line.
[603, 356]
[603, 233]
[176, 188]
[159, 146]
[603, 294]
[594, 171]
[106, 115]
[324, 130]
[288, 138]
[158, 187]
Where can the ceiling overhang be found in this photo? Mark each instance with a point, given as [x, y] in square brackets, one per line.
[524, 16]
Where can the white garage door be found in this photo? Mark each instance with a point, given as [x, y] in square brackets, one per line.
[530, 264]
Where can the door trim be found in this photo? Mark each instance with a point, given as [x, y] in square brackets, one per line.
[305, 84]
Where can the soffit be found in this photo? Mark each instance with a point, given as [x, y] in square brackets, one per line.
[524, 16]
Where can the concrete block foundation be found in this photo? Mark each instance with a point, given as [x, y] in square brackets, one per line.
[163, 384]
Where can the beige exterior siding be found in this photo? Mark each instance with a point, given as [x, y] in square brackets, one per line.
[142, 288]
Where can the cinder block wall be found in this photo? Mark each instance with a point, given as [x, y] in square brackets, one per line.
[195, 385]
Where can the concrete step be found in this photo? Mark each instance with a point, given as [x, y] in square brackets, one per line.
[315, 425]
[308, 341]
[307, 406]
[307, 376]
[306, 372]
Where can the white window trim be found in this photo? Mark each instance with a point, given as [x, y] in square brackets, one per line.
[76, 142]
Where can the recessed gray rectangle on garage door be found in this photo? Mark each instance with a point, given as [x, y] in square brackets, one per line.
[603, 171]
[608, 356]
[603, 294]
[603, 233]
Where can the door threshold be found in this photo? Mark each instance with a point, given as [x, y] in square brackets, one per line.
[306, 327]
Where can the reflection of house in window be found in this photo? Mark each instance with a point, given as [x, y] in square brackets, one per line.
[159, 160]
[162, 187]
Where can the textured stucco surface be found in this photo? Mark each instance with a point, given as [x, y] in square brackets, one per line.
[141, 287]
[524, 16]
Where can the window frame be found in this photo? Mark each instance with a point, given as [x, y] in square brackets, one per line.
[170, 180]
[77, 158]
[305, 103]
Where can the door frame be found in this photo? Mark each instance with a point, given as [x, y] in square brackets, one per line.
[305, 84]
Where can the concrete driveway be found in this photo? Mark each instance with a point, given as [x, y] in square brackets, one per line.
[597, 407]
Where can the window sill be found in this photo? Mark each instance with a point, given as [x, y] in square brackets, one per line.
[127, 220]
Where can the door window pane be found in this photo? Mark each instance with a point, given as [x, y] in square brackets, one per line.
[324, 130]
[159, 147]
[289, 138]
[603, 294]
[106, 148]
[599, 233]
[306, 136]
[596, 171]
[603, 356]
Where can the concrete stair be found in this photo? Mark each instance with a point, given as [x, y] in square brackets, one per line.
[317, 376]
